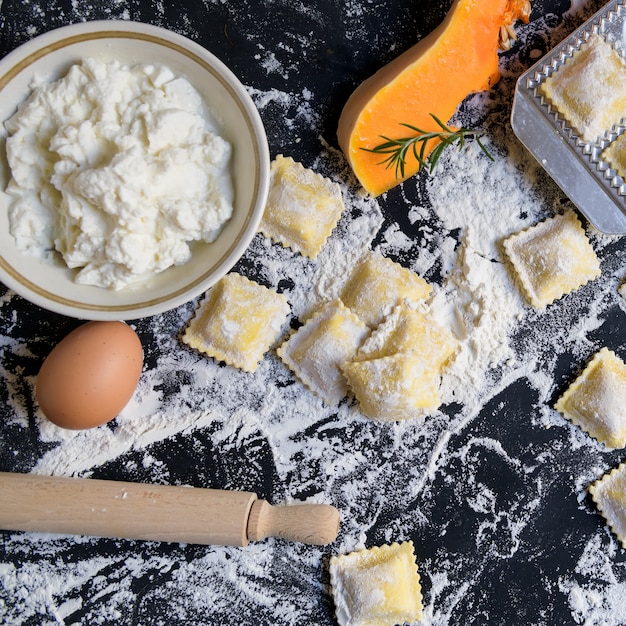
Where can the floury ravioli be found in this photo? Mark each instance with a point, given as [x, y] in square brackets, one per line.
[117, 168]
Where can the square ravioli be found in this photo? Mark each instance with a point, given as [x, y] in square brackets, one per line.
[552, 258]
[589, 89]
[378, 284]
[379, 586]
[316, 350]
[609, 494]
[596, 400]
[615, 155]
[407, 329]
[396, 373]
[397, 387]
[302, 209]
[237, 322]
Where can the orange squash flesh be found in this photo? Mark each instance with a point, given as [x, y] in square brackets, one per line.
[433, 77]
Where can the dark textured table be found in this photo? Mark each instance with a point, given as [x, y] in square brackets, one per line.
[491, 489]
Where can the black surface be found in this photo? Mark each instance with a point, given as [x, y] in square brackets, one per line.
[497, 575]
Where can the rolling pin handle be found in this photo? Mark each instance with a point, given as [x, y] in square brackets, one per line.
[316, 524]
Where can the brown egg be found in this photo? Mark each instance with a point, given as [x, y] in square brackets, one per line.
[90, 376]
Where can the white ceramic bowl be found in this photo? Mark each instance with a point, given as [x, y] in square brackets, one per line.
[48, 57]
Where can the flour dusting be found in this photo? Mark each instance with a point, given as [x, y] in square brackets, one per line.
[473, 485]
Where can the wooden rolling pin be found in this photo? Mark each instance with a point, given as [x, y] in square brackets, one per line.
[106, 508]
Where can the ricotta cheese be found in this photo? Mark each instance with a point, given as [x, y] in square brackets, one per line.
[118, 169]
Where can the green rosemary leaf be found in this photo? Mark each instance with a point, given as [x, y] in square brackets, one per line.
[441, 124]
[481, 145]
[434, 156]
[397, 149]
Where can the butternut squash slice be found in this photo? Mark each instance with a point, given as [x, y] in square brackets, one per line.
[433, 77]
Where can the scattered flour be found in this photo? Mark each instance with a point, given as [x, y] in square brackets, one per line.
[389, 480]
[601, 600]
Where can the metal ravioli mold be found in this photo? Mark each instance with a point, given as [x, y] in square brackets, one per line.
[579, 167]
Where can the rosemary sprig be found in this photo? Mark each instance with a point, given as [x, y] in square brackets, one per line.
[397, 149]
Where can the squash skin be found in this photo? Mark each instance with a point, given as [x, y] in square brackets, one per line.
[434, 76]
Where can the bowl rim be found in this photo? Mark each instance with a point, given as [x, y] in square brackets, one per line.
[51, 41]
